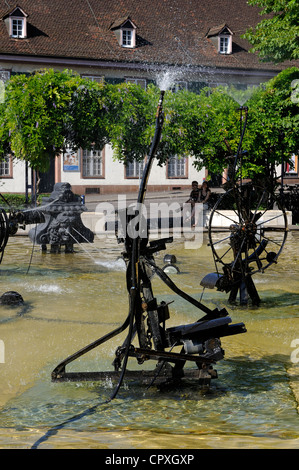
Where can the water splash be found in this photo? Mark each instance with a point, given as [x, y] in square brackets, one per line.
[46, 288]
[240, 96]
[118, 264]
[166, 80]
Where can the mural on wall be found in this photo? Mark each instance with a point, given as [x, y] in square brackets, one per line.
[71, 160]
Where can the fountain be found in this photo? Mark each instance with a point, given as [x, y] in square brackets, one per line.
[199, 341]
[59, 219]
[254, 404]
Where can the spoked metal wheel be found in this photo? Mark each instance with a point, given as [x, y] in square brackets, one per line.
[254, 230]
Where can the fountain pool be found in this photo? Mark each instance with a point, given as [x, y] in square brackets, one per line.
[73, 299]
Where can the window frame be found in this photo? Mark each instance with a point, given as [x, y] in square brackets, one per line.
[178, 160]
[128, 45]
[22, 20]
[125, 41]
[94, 78]
[7, 161]
[179, 85]
[102, 163]
[226, 49]
[137, 81]
[136, 174]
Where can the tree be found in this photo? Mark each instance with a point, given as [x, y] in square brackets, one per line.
[131, 111]
[273, 125]
[208, 126]
[44, 112]
[276, 38]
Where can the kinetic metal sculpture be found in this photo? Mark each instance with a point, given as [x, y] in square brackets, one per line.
[58, 221]
[256, 233]
[61, 225]
[199, 342]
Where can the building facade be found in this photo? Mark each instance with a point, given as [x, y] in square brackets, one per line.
[195, 43]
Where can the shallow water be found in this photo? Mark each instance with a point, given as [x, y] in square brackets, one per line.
[73, 299]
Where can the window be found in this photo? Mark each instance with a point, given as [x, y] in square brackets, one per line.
[127, 38]
[221, 37]
[134, 169]
[5, 167]
[92, 163]
[16, 23]
[178, 86]
[137, 81]
[17, 27]
[177, 167]
[95, 78]
[125, 32]
[224, 44]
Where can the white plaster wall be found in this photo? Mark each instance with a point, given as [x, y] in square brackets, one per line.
[115, 174]
[16, 184]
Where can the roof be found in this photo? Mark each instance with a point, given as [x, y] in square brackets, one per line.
[218, 29]
[121, 22]
[170, 32]
[16, 10]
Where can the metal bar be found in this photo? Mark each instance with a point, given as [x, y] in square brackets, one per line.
[143, 375]
[168, 356]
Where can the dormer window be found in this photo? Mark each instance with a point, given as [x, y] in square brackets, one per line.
[16, 23]
[125, 32]
[221, 37]
[224, 44]
[17, 28]
[127, 37]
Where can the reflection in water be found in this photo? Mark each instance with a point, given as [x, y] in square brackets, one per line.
[71, 300]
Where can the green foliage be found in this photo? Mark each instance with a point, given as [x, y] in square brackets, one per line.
[17, 201]
[276, 38]
[131, 111]
[44, 112]
[183, 124]
[87, 119]
[273, 125]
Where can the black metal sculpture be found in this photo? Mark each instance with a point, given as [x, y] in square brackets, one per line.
[60, 222]
[199, 342]
[254, 236]
[58, 218]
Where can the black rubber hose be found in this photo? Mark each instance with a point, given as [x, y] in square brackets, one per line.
[136, 241]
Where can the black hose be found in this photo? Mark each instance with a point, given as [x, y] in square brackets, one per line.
[4, 232]
[166, 279]
[240, 142]
[135, 255]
